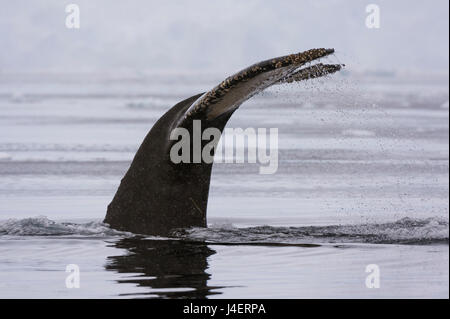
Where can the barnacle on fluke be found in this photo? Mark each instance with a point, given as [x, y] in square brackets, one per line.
[284, 65]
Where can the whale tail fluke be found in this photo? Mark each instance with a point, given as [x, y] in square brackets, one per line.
[157, 195]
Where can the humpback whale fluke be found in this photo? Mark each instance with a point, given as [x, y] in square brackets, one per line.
[156, 195]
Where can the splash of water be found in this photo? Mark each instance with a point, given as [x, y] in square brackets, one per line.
[433, 230]
[42, 226]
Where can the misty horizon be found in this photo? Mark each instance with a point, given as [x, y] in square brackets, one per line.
[208, 36]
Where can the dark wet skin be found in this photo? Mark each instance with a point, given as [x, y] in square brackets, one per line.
[156, 195]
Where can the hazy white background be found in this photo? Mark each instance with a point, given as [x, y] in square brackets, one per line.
[214, 35]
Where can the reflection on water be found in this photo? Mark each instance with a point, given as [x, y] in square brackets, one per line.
[169, 268]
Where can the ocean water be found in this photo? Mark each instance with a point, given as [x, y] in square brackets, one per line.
[362, 180]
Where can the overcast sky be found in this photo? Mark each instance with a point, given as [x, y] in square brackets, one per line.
[215, 35]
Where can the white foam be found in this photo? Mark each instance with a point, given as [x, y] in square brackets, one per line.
[403, 231]
[42, 226]
[359, 133]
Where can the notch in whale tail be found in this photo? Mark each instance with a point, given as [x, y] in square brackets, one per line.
[156, 195]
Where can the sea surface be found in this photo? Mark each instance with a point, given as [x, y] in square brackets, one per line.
[362, 180]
